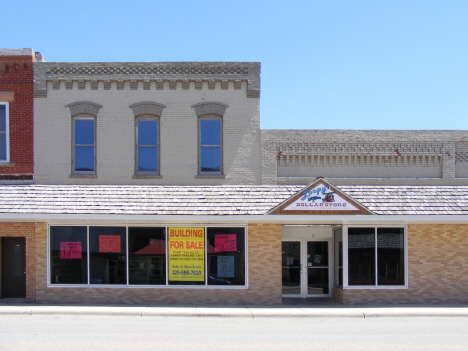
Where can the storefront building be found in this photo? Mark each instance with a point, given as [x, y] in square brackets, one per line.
[154, 184]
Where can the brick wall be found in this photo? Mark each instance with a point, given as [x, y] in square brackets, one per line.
[16, 87]
[437, 265]
[264, 267]
[346, 157]
[115, 137]
[28, 231]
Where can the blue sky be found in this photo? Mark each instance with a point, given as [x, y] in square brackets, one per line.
[325, 64]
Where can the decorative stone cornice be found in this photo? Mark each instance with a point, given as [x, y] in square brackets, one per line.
[147, 108]
[147, 72]
[84, 107]
[210, 107]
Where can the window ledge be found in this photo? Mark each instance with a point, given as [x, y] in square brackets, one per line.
[7, 165]
[210, 176]
[88, 176]
[139, 176]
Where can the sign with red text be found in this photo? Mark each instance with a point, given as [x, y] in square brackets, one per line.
[225, 242]
[321, 198]
[186, 254]
[70, 250]
[109, 243]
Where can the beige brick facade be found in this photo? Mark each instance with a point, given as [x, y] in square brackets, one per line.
[437, 265]
[264, 268]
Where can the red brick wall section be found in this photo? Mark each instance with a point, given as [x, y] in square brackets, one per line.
[437, 265]
[16, 75]
[26, 230]
[264, 267]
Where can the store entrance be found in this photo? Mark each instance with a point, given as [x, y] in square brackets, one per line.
[306, 268]
[13, 267]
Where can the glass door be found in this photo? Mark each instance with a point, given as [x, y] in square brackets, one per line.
[291, 268]
[318, 270]
[305, 268]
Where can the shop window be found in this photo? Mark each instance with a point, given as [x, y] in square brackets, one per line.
[84, 145]
[4, 133]
[68, 255]
[210, 140]
[226, 256]
[147, 256]
[157, 256]
[147, 146]
[107, 255]
[376, 252]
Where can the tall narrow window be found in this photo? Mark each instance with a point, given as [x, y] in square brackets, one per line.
[210, 137]
[147, 146]
[4, 133]
[210, 145]
[84, 145]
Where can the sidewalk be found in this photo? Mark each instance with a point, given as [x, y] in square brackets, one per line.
[239, 311]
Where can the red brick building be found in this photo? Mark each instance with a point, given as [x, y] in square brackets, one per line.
[16, 116]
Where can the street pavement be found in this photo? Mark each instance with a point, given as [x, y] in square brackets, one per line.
[296, 309]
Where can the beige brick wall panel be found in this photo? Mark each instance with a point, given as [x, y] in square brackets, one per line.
[437, 264]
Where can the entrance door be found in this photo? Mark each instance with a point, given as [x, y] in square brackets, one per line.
[13, 267]
[305, 268]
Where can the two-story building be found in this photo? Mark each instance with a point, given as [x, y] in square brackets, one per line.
[153, 183]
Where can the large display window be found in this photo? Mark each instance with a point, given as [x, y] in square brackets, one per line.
[147, 256]
[376, 256]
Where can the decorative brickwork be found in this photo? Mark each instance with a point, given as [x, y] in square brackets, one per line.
[172, 72]
[147, 108]
[264, 268]
[363, 157]
[84, 107]
[437, 265]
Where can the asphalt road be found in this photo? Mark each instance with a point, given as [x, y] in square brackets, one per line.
[45, 332]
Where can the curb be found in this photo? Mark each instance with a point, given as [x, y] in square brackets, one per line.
[239, 312]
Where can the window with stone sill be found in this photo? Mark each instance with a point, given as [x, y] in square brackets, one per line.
[84, 145]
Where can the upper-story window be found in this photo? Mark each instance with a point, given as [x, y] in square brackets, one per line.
[4, 133]
[210, 155]
[147, 115]
[84, 114]
[84, 160]
[147, 153]
[210, 137]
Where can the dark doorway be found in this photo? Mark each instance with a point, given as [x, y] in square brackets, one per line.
[13, 267]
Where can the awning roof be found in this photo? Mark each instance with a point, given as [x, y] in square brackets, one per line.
[219, 200]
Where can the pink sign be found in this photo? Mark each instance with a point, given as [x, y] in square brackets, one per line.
[109, 243]
[225, 242]
[70, 250]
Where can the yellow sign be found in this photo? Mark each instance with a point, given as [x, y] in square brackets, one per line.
[186, 254]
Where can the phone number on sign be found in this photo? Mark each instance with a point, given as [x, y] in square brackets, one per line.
[186, 272]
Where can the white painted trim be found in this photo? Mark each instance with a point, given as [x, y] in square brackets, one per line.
[373, 287]
[84, 219]
[167, 286]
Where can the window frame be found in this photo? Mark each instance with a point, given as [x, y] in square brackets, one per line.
[220, 146]
[346, 258]
[74, 145]
[7, 131]
[158, 131]
[206, 285]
